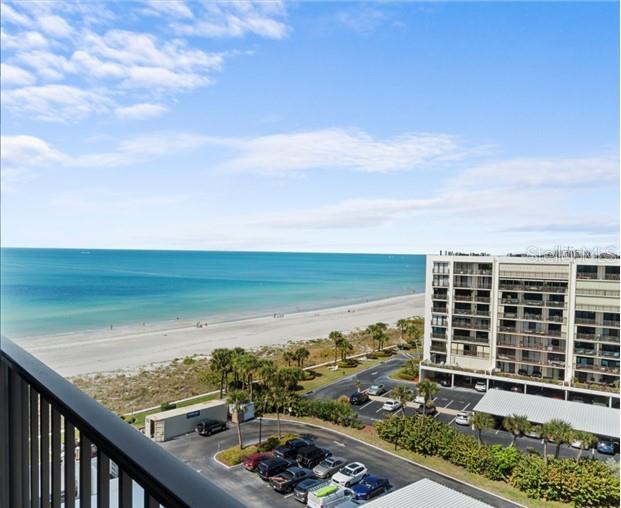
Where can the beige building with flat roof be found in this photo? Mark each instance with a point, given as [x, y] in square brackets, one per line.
[525, 323]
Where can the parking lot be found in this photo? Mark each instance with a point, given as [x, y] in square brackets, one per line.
[458, 398]
[198, 452]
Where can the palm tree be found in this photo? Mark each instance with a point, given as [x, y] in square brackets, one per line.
[336, 337]
[378, 334]
[402, 325]
[288, 357]
[517, 425]
[301, 354]
[238, 399]
[346, 347]
[586, 439]
[482, 421]
[413, 332]
[221, 364]
[428, 390]
[559, 432]
[403, 394]
[237, 356]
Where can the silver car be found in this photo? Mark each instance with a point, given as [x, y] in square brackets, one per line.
[328, 466]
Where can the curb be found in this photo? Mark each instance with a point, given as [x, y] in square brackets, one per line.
[399, 457]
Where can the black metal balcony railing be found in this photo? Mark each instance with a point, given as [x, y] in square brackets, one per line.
[36, 404]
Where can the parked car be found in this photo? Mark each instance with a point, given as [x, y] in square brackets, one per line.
[286, 481]
[350, 474]
[300, 492]
[463, 418]
[376, 390]
[391, 405]
[310, 456]
[576, 444]
[209, 427]
[370, 486]
[271, 467]
[358, 398]
[534, 432]
[480, 386]
[252, 461]
[328, 496]
[445, 382]
[606, 447]
[290, 449]
[328, 466]
[517, 389]
[419, 400]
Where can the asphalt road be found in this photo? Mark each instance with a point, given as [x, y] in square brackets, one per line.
[461, 399]
[198, 452]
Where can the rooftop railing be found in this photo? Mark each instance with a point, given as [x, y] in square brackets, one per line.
[42, 418]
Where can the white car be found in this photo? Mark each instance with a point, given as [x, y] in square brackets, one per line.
[391, 405]
[480, 386]
[463, 418]
[350, 474]
[419, 400]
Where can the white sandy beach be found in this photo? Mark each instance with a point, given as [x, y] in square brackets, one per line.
[131, 347]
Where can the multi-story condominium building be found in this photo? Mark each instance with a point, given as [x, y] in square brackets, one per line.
[538, 325]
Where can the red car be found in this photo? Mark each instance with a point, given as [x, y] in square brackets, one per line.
[252, 461]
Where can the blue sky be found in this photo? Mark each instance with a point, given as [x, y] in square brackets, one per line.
[353, 127]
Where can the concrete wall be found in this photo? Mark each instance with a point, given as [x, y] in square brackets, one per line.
[163, 426]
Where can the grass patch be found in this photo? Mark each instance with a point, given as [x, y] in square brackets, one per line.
[499, 488]
[235, 455]
[402, 374]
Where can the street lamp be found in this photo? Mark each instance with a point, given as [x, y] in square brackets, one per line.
[260, 425]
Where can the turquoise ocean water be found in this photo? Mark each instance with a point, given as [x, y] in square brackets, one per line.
[45, 291]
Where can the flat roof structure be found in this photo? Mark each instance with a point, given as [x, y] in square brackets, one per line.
[426, 493]
[599, 420]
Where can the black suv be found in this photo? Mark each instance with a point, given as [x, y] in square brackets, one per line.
[310, 456]
[358, 398]
[290, 449]
[208, 427]
[271, 467]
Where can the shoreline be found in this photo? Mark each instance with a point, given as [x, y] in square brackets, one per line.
[135, 346]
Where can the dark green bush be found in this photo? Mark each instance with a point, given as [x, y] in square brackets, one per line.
[502, 462]
[165, 406]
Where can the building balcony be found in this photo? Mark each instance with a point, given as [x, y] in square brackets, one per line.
[586, 321]
[471, 326]
[42, 414]
[438, 349]
[439, 310]
[611, 323]
[470, 338]
[611, 276]
[442, 297]
[597, 368]
[530, 346]
[586, 276]
[597, 337]
[437, 335]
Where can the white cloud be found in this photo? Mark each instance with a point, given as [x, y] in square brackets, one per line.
[175, 8]
[236, 19]
[23, 41]
[340, 149]
[543, 171]
[12, 75]
[140, 111]
[29, 151]
[55, 103]
[10, 15]
[54, 26]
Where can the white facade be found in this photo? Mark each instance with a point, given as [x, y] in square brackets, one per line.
[537, 321]
[176, 422]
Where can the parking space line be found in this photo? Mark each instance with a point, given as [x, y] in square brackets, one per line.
[362, 407]
[466, 406]
[449, 423]
[380, 409]
[288, 495]
[450, 402]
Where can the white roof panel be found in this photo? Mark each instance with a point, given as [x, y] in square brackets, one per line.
[426, 493]
[599, 420]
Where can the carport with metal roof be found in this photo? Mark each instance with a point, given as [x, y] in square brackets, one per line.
[598, 420]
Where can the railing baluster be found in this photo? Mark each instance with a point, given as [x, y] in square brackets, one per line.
[69, 465]
[45, 453]
[103, 480]
[55, 458]
[15, 431]
[34, 448]
[25, 418]
[150, 502]
[4, 434]
[125, 490]
[85, 471]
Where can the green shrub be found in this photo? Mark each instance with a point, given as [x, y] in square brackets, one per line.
[502, 462]
[348, 364]
[165, 406]
[529, 475]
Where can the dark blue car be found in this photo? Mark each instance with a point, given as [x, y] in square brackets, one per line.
[606, 447]
[301, 490]
[369, 487]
